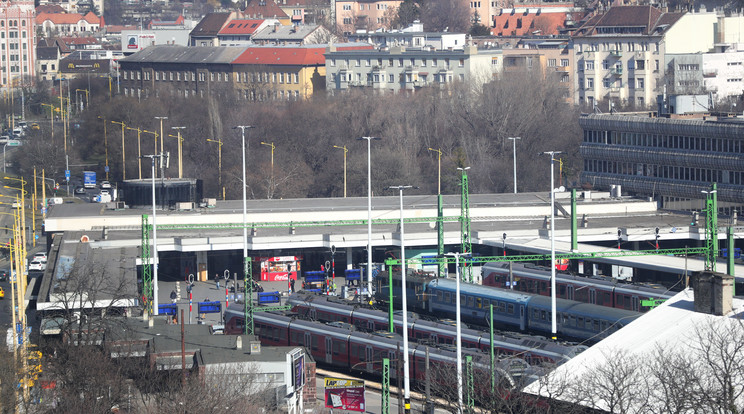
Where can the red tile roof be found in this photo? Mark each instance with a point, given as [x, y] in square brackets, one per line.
[241, 26]
[68, 18]
[647, 17]
[264, 9]
[50, 8]
[300, 56]
[521, 24]
[79, 40]
[117, 28]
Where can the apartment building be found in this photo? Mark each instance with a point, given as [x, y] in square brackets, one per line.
[399, 68]
[61, 24]
[353, 15]
[17, 42]
[720, 73]
[552, 57]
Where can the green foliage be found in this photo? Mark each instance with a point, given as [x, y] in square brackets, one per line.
[478, 29]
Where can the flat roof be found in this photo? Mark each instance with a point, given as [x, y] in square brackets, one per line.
[673, 328]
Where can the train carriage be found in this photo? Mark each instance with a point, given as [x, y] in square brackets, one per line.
[475, 300]
[600, 291]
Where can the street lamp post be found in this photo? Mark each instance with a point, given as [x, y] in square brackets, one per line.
[553, 318]
[369, 212]
[180, 150]
[458, 327]
[139, 150]
[404, 299]
[123, 153]
[219, 162]
[271, 180]
[345, 151]
[514, 146]
[154, 256]
[245, 221]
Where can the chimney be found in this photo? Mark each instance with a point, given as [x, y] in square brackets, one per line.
[714, 292]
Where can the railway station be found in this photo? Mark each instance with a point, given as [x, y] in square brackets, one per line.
[201, 244]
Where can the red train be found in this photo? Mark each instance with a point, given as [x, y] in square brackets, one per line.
[598, 291]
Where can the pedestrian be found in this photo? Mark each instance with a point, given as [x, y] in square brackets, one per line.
[334, 287]
[173, 296]
[293, 285]
[217, 281]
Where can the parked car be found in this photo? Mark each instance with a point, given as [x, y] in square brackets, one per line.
[36, 265]
[106, 185]
[40, 256]
[4, 274]
[80, 190]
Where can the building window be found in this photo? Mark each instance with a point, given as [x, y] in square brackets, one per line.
[590, 83]
[639, 83]
[391, 78]
[462, 62]
[347, 6]
[295, 78]
[590, 65]
[605, 64]
[551, 63]
[347, 20]
[564, 62]
[564, 78]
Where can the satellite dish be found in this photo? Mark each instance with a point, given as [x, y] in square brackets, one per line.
[561, 189]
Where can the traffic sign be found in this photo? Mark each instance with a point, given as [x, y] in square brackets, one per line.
[67, 175]
[13, 143]
[106, 169]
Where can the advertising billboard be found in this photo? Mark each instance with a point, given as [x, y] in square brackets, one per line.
[344, 394]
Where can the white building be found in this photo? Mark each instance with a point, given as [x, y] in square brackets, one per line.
[620, 55]
[17, 43]
[399, 68]
[719, 73]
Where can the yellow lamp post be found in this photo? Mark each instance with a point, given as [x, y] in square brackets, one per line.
[345, 151]
[51, 116]
[123, 153]
[155, 135]
[219, 162]
[180, 150]
[105, 145]
[139, 150]
[271, 180]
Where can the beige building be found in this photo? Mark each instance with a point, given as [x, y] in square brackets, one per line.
[353, 15]
[17, 39]
[398, 68]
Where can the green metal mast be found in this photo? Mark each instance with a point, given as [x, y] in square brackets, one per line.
[466, 247]
[385, 386]
[470, 388]
[493, 356]
[146, 266]
[389, 264]
[440, 235]
[711, 228]
[248, 302]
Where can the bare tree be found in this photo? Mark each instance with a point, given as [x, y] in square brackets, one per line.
[446, 15]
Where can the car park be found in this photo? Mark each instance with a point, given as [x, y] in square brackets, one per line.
[105, 184]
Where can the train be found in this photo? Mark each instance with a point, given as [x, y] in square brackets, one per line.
[513, 310]
[601, 291]
[535, 350]
[340, 346]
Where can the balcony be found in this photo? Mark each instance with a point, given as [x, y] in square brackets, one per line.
[564, 69]
[616, 53]
[616, 71]
[710, 73]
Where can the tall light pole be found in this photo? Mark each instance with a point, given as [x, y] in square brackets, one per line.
[458, 327]
[123, 153]
[180, 151]
[406, 375]
[155, 147]
[345, 151]
[154, 256]
[271, 180]
[219, 161]
[245, 211]
[162, 137]
[553, 318]
[105, 144]
[440, 214]
[139, 150]
[369, 212]
[514, 146]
